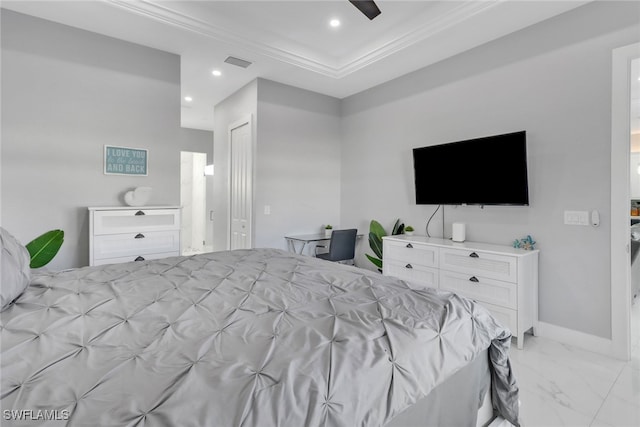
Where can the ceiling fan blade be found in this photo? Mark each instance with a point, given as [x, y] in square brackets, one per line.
[368, 7]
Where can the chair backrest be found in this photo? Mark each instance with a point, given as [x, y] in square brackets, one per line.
[342, 246]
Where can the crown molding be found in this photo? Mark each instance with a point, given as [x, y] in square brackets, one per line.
[188, 23]
[459, 14]
[325, 67]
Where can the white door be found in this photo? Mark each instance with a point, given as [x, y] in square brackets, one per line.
[241, 182]
[193, 193]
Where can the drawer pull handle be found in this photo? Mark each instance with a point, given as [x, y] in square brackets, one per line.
[408, 266]
[473, 279]
[139, 213]
[409, 245]
[139, 259]
[474, 255]
[139, 236]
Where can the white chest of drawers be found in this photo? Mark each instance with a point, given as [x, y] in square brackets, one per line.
[501, 278]
[118, 234]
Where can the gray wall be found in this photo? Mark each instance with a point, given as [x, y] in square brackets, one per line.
[198, 141]
[296, 136]
[238, 106]
[65, 94]
[552, 80]
[201, 141]
[298, 163]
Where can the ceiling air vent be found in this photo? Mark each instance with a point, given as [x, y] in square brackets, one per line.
[237, 61]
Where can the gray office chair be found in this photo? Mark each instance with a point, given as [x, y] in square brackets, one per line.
[342, 246]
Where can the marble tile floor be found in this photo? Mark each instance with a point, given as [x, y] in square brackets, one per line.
[564, 386]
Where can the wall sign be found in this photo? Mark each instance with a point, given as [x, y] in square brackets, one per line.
[125, 161]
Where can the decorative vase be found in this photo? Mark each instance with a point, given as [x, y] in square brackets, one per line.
[138, 196]
[327, 233]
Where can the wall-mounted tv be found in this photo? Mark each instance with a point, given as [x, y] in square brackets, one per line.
[482, 171]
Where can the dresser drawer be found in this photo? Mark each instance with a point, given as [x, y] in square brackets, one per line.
[412, 253]
[481, 289]
[423, 277]
[135, 220]
[495, 266]
[134, 244]
[131, 258]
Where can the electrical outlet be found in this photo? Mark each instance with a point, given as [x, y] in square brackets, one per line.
[576, 217]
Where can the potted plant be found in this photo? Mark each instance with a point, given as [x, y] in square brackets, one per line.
[376, 233]
[43, 248]
[327, 230]
[408, 230]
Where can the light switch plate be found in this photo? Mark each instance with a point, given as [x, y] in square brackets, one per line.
[576, 217]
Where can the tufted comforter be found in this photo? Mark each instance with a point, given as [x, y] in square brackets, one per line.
[242, 338]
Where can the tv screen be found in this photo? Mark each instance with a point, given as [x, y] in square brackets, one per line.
[483, 171]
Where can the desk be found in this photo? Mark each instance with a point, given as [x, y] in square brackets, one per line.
[304, 239]
[307, 238]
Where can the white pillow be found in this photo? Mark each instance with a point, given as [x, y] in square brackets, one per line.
[16, 273]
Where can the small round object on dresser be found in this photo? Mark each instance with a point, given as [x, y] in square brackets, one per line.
[138, 197]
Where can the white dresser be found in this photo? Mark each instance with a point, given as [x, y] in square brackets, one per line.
[501, 278]
[123, 234]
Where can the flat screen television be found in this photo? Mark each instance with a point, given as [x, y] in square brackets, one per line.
[482, 171]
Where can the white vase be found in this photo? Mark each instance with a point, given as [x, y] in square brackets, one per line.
[327, 233]
[138, 197]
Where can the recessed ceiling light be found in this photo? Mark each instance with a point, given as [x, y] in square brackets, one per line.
[216, 73]
[188, 98]
[334, 23]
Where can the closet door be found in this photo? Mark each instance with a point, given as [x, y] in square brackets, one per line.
[241, 181]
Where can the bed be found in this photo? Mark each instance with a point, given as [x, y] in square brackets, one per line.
[257, 337]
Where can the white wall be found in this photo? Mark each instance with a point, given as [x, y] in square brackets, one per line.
[552, 80]
[241, 104]
[298, 163]
[65, 94]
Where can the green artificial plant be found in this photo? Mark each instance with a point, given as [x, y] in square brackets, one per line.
[43, 248]
[376, 233]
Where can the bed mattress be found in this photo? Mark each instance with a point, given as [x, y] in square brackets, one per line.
[256, 337]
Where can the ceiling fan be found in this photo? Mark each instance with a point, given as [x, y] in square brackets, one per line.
[368, 7]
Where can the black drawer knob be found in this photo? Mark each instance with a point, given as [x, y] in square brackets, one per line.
[474, 279]
[408, 266]
[409, 245]
[139, 213]
[139, 236]
[474, 255]
[139, 259]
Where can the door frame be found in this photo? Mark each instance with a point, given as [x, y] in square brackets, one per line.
[620, 199]
[245, 120]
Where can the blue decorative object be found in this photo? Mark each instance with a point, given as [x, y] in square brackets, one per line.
[526, 243]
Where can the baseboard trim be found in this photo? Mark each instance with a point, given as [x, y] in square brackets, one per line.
[576, 338]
